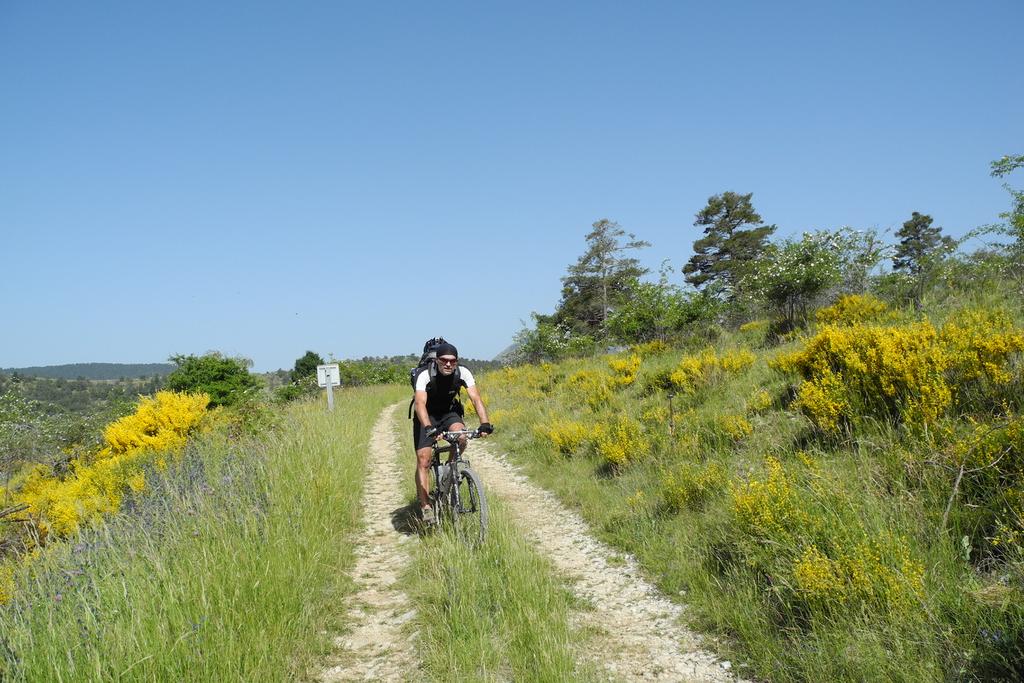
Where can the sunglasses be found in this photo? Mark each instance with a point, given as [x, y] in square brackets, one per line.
[448, 361]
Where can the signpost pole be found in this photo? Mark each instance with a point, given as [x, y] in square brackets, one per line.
[327, 376]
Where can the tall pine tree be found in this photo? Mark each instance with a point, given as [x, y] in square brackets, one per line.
[600, 279]
[728, 249]
[921, 247]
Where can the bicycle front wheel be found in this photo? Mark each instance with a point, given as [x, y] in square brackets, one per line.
[469, 509]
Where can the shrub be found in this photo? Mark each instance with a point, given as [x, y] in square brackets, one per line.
[895, 373]
[691, 485]
[624, 369]
[877, 572]
[224, 380]
[733, 427]
[565, 435]
[814, 561]
[754, 327]
[854, 309]
[620, 441]
[592, 387]
[651, 348]
[910, 374]
[759, 401]
[97, 485]
[770, 508]
[981, 344]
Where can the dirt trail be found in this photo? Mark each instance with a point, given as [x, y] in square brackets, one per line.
[639, 636]
[375, 649]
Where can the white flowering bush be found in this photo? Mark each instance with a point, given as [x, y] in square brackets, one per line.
[793, 274]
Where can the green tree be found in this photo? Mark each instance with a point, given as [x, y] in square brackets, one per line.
[790, 276]
[1014, 226]
[860, 252]
[658, 310]
[724, 255]
[600, 280]
[306, 365]
[920, 250]
[226, 380]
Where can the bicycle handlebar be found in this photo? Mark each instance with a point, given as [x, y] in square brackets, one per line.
[451, 436]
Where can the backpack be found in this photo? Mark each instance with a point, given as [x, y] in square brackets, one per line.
[428, 363]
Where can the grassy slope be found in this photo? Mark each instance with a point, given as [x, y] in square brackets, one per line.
[860, 487]
[230, 569]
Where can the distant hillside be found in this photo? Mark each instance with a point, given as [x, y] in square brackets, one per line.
[94, 370]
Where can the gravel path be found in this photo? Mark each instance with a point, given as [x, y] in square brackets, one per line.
[376, 649]
[639, 636]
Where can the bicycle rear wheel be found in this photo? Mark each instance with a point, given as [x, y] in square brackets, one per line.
[469, 514]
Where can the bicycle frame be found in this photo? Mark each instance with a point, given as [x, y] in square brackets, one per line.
[448, 472]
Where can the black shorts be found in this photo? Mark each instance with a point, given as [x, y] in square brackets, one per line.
[421, 440]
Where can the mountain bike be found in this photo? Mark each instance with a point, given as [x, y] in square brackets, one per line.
[458, 494]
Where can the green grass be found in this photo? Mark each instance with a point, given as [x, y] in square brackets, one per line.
[498, 612]
[230, 568]
[969, 625]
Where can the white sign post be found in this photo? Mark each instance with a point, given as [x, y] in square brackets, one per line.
[328, 377]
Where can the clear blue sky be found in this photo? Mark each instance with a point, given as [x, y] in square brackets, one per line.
[353, 177]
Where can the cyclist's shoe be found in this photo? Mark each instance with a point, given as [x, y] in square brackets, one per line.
[428, 515]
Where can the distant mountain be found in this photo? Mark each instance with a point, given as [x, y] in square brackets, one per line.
[94, 370]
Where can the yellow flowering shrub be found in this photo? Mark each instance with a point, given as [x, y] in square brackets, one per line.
[1008, 535]
[501, 415]
[529, 382]
[854, 309]
[565, 435]
[981, 344]
[990, 444]
[620, 441]
[818, 577]
[809, 461]
[592, 387]
[624, 369]
[736, 360]
[891, 372]
[691, 485]
[878, 571]
[651, 348]
[823, 399]
[6, 582]
[759, 401]
[160, 423]
[471, 409]
[733, 427]
[697, 371]
[96, 486]
[769, 507]
[692, 372]
[637, 501]
[907, 373]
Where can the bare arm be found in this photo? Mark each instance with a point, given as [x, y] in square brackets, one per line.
[420, 406]
[478, 403]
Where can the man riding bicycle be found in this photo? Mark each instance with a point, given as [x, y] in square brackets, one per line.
[437, 409]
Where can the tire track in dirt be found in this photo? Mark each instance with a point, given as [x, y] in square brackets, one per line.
[376, 649]
[638, 634]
